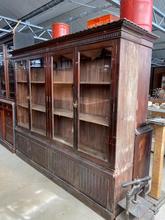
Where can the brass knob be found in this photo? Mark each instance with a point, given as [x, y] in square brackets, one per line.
[75, 104]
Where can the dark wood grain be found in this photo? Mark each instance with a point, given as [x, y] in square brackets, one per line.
[85, 110]
[7, 118]
[142, 151]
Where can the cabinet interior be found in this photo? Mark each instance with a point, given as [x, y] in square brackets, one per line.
[37, 101]
[94, 102]
[63, 98]
[93, 99]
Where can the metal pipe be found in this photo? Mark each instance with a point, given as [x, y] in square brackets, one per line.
[41, 9]
[38, 11]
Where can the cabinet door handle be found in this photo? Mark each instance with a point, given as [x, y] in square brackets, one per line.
[75, 104]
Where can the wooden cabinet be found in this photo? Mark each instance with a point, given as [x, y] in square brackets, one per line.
[7, 76]
[7, 124]
[1, 122]
[2, 75]
[79, 100]
[7, 95]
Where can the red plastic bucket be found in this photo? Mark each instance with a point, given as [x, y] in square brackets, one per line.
[60, 29]
[138, 11]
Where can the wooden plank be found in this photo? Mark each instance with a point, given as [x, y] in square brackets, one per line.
[157, 171]
[40, 108]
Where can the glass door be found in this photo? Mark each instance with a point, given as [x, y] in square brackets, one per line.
[22, 94]
[2, 74]
[94, 103]
[62, 98]
[11, 72]
[37, 94]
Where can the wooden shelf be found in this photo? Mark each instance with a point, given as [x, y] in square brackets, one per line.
[60, 82]
[22, 81]
[61, 140]
[63, 69]
[23, 125]
[94, 119]
[95, 83]
[37, 67]
[83, 117]
[23, 105]
[86, 149]
[39, 108]
[63, 112]
[38, 82]
[39, 131]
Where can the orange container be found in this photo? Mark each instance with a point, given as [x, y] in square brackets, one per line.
[138, 11]
[60, 29]
[94, 22]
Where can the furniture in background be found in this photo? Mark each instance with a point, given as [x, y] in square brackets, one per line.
[157, 168]
[7, 124]
[154, 112]
[157, 79]
[7, 77]
[79, 100]
[7, 94]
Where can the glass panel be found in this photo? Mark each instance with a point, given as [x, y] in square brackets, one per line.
[11, 78]
[2, 74]
[38, 109]
[95, 81]
[63, 98]
[22, 94]
[11, 71]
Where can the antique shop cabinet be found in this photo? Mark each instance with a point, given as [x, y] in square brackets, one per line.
[79, 100]
[7, 95]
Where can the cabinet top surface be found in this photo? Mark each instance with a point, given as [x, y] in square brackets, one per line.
[111, 30]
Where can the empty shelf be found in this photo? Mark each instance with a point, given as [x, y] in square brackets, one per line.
[94, 119]
[23, 105]
[39, 131]
[94, 83]
[63, 112]
[40, 108]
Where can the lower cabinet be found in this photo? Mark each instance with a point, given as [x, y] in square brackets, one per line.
[1, 123]
[7, 124]
[88, 182]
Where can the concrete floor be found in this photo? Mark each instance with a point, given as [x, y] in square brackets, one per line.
[25, 194]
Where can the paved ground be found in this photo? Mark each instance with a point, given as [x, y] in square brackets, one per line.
[25, 194]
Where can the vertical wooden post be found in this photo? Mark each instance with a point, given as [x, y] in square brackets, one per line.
[76, 97]
[157, 170]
